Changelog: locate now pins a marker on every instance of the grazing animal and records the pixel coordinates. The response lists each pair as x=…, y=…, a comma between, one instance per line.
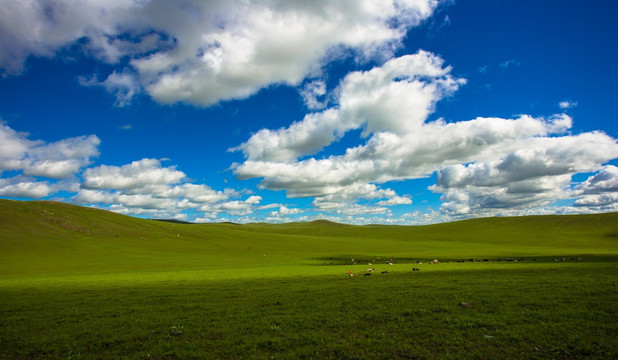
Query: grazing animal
x=349, y=271
x=384, y=272
x=415, y=269
x=372, y=269
x=435, y=262
x=367, y=274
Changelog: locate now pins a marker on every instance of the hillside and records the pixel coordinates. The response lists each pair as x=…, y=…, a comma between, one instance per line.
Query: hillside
x=40, y=238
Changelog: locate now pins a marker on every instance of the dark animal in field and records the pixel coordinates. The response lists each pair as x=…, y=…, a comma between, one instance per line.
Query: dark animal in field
x=367, y=274
x=415, y=269
x=385, y=272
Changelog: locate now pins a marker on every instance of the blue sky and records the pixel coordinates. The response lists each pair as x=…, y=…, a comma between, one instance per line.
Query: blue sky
x=398, y=112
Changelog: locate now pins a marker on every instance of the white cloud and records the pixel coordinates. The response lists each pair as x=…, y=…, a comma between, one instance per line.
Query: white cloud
x=234, y=207
x=598, y=200
x=395, y=97
x=40, y=28
x=513, y=164
x=147, y=187
x=600, y=191
x=284, y=210
x=605, y=180
x=567, y=104
x=397, y=200
x=283, y=214
x=422, y=218
x=535, y=175
x=14, y=147
x=138, y=174
x=24, y=188
x=203, y=52
x=124, y=86
x=313, y=94
x=56, y=160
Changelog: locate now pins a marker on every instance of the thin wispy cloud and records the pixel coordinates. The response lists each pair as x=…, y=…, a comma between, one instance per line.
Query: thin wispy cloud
x=567, y=104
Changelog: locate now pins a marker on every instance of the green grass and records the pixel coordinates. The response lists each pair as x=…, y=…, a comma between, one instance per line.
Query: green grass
x=87, y=284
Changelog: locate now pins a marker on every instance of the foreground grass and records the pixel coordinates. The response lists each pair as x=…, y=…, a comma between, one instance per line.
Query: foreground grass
x=520, y=310
x=80, y=283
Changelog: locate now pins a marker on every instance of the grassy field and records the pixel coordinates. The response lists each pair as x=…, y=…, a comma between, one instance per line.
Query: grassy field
x=83, y=283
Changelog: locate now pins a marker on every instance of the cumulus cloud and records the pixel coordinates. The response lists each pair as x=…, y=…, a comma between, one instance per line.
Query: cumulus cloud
x=55, y=160
x=605, y=180
x=42, y=168
x=138, y=174
x=21, y=187
x=395, y=97
x=284, y=214
x=396, y=200
x=535, y=175
x=234, y=207
x=599, y=191
x=147, y=185
x=203, y=52
x=512, y=164
x=143, y=187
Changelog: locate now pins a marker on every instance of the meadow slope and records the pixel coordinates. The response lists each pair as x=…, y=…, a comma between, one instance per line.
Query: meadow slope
x=41, y=238
x=82, y=283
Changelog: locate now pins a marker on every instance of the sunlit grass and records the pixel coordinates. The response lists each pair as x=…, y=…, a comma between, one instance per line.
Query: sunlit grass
x=90, y=284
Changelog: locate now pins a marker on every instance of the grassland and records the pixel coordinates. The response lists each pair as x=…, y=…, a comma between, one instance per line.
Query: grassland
x=86, y=284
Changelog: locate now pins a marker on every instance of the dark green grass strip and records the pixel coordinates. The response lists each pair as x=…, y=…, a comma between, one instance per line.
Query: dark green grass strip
x=562, y=312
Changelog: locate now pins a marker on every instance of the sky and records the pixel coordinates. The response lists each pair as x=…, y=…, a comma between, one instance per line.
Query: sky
x=355, y=111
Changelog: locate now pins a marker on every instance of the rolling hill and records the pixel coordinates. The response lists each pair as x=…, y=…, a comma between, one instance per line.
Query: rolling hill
x=83, y=283
x=42, y=238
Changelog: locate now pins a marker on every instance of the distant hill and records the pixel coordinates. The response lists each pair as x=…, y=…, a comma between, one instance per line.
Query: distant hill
x=173, y=221
x=43, y=237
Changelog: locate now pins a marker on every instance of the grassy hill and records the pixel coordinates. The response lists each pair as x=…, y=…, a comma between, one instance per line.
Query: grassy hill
x=82, y=283
x=40, y=238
